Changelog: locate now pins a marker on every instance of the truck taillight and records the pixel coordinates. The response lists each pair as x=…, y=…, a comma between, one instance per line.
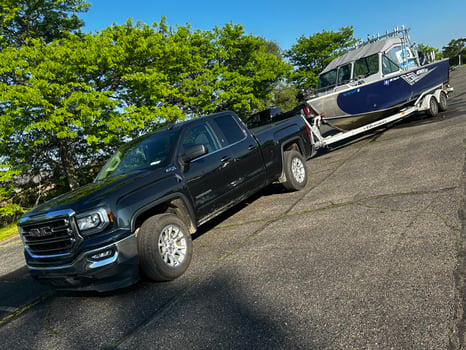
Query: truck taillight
x=307, y=110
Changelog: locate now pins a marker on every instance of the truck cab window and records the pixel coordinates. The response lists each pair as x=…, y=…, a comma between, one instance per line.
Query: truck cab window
x=232, y=132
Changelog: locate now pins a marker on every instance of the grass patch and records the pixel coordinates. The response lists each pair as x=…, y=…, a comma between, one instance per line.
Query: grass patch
x=8, y=231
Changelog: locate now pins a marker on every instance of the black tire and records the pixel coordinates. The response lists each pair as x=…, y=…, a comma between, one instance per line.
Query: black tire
x=442, y=102
x=295, y=171
x=165, y=247
x=432, y=111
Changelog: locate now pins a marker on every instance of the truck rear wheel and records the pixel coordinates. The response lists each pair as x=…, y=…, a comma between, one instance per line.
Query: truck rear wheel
x=165, y=247
x=295, y=171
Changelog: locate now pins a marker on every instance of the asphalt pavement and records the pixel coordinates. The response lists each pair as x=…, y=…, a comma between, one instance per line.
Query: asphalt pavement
x=370, y=255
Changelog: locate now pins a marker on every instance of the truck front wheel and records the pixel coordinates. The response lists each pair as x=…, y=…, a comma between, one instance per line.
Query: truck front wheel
x=295, y=171
x=165, y=247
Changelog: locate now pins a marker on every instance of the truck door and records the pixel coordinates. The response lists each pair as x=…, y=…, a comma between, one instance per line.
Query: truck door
x=246, y=152
x=212, y=177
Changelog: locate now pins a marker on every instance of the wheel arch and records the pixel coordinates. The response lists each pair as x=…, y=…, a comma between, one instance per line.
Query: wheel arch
x=426, y=101
x=176, y=204
x=294, y=144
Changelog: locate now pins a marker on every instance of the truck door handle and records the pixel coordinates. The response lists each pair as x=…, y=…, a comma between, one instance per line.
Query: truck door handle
x=251, y=147
x=225, y=159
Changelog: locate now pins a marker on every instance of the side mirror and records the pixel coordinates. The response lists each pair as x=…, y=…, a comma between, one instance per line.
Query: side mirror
x=193, y=152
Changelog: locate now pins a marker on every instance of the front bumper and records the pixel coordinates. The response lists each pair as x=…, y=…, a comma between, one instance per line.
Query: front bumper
x=101, y=269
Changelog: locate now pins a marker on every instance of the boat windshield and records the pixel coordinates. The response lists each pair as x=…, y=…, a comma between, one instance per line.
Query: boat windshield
x=327, y=80
x=401, y=55
x=151, y=151
x=388, y=66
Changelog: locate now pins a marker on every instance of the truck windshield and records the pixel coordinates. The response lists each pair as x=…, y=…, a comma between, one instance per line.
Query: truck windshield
x=150, y=151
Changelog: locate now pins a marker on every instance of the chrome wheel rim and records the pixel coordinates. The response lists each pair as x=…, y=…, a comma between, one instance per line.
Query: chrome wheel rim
x=297, y=169
x=172, y=245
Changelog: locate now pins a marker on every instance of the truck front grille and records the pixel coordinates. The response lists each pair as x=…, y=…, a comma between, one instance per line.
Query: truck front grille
x=51, y=238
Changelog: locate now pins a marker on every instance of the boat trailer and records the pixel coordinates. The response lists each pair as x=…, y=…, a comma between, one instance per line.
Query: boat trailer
x=431, y=102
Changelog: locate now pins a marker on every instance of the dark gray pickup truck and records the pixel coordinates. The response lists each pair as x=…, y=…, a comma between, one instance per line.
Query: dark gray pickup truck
x=149, y=198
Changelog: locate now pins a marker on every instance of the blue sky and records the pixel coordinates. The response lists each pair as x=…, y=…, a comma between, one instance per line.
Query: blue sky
x=432, y=22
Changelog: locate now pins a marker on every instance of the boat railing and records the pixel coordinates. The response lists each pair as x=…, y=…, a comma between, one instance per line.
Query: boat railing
x=402, y=33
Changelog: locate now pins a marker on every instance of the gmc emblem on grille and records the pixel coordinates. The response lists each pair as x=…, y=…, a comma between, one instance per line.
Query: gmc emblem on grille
x=41, y=232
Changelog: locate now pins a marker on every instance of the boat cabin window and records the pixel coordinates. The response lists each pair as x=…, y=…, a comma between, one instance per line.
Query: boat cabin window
x=327, y=80
x=366, y=66
x=344, y=74
x=388, y=66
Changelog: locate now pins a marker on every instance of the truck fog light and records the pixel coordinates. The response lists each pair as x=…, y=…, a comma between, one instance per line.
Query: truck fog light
x=102, y=254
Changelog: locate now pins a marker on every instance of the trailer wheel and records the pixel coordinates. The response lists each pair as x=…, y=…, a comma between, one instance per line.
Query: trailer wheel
x=432, y=111
x=295, y=171
x=443, y=102
x=165, y=247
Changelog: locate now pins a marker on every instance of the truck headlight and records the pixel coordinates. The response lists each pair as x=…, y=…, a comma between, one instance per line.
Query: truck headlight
x=93, y=221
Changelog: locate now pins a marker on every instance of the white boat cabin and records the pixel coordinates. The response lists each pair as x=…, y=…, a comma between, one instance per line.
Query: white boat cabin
x=371, y=61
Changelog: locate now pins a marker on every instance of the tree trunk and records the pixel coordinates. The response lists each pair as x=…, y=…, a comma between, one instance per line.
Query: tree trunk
x=67, y=163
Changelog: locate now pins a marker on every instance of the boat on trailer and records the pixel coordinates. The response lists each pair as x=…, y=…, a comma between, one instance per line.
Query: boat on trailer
x=375, y=79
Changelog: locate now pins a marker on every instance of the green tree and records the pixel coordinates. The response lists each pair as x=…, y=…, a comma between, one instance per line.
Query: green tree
x=250, y=70
x=49, y=108
x=284, y=96
x=456, y=48
x=310, y=55
x=21, y=20
x=8, y=209
x=189, y=73
x=429, y=50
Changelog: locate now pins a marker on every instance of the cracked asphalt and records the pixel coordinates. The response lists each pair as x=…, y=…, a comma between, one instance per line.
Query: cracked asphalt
x=371, y=255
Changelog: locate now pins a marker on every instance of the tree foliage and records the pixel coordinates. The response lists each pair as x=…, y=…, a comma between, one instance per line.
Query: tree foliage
x=429, y=50
x=455, y=49
x=310, y=55
x=22, y=20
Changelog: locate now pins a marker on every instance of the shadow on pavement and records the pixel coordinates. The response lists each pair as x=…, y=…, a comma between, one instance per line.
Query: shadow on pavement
x=17, y=291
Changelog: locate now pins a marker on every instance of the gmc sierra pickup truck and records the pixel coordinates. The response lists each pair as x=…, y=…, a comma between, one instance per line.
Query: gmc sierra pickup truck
x=155, y=192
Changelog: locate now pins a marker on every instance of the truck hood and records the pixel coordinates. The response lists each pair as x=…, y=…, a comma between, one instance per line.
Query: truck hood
x=100, y=193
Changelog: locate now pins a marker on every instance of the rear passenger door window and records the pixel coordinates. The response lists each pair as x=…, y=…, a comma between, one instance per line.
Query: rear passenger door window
x=229, y=129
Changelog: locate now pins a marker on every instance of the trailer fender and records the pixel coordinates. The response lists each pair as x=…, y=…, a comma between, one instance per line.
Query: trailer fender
x=430, y=105
x=425, y=103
